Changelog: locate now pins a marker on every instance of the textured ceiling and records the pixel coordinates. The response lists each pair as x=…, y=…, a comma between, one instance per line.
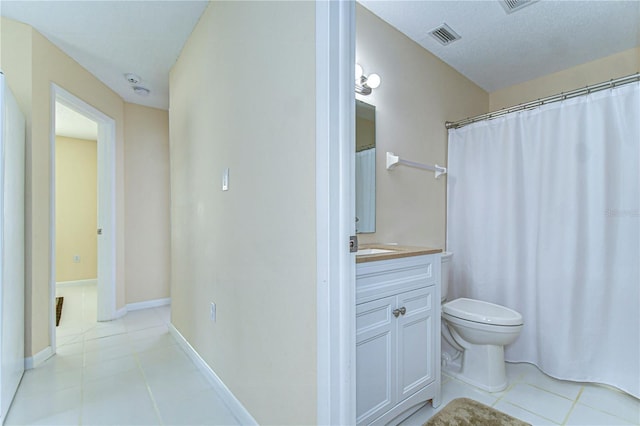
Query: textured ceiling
x=111, y=38
x=498, y=49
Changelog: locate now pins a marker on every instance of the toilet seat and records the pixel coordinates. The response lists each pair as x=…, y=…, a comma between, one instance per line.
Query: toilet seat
x=482, y=312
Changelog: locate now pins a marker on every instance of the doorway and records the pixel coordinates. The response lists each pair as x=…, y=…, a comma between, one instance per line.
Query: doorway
x=105, y=291
x=76, y=252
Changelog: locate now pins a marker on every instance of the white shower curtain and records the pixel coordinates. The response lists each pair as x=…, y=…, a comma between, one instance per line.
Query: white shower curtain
x=543, y=216
x=366, y=190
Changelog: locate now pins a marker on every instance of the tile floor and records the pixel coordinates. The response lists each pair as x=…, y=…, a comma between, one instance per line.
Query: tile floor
x=541, y=400
x=123, y=372
x=132, y=372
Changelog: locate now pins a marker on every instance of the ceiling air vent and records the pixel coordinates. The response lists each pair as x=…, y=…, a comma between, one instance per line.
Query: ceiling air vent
x=511, y=6
x=444, y=34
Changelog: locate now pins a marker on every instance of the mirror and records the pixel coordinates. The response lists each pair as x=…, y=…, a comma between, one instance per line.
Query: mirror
x=365, y=168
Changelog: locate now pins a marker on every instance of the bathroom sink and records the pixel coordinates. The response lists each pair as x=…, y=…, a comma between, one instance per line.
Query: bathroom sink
x=363, y=252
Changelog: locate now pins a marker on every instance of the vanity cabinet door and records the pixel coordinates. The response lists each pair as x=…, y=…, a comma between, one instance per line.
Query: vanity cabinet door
x=375, y=358
x=416, y=349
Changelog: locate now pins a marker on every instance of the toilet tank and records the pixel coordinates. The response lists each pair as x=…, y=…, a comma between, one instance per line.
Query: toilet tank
x=444, y=277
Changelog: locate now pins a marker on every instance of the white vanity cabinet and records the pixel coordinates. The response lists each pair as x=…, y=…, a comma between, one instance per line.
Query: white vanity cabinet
x=397, y=337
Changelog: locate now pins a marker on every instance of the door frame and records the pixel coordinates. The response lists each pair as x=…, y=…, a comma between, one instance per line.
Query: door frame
x=335, y=210
x=106, y=162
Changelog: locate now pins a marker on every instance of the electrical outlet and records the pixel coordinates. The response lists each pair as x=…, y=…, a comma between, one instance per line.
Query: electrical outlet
x=76, y=258
x=212, y=312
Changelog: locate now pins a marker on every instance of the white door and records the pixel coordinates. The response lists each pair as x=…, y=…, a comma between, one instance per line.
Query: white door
x=12, y=145
x=106, y=222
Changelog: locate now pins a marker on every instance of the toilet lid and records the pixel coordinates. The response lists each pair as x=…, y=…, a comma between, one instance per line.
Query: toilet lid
x=482, y=312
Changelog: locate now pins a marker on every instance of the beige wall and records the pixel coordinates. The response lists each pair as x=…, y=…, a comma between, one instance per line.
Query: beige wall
x=604, y=69
x=148, y=260
x=418, y=94
x=15, y=61
x=31, y=63
x=251, y=249
x=76, y=209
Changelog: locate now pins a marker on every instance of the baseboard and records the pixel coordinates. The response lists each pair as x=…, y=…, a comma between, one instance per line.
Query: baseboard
x=141, y=305
x=77, y=283
x=237, y=409
x=37, y=359
x=120, y=312
x=148, y=304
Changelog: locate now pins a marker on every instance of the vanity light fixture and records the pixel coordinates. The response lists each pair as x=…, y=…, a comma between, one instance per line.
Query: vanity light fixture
x=364, y=84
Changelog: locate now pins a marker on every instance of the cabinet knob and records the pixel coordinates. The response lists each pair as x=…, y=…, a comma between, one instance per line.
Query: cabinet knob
x=397, y=312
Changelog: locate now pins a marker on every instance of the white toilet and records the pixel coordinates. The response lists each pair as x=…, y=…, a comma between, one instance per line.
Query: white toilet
x=480, y=330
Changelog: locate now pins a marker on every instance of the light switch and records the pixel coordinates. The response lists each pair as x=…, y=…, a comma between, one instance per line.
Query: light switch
x=225, y=179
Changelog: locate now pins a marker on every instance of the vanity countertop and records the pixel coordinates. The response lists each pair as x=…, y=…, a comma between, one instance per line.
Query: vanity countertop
x=396, y=251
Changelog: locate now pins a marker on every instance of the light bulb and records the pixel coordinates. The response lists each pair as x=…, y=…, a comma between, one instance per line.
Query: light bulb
x=359, y=72
x=373, y=81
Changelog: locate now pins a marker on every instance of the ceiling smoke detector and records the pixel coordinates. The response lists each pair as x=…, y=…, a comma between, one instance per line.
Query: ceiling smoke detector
x=132, y=78
x=444, y=34
x=511, y=6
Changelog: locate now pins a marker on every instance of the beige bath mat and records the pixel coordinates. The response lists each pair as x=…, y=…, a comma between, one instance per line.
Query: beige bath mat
x=467, y=412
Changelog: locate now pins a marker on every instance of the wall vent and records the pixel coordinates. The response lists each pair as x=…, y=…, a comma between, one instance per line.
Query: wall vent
x=511, y=6
x=444, y=34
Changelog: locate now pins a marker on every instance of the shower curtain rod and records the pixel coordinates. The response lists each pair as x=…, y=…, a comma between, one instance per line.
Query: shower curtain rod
x=550, y=99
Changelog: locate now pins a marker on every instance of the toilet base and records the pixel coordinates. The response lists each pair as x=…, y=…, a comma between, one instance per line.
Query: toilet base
x=482, y=366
